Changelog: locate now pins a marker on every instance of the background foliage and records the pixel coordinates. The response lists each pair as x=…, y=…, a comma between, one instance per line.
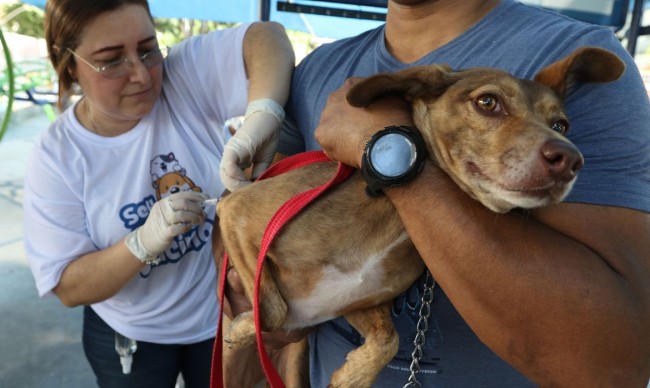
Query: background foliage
x=26, y=19
x=22, y=19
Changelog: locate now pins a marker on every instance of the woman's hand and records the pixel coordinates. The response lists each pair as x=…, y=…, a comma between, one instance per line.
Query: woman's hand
x=344, y=130
x=253, y=144
x=168, y=218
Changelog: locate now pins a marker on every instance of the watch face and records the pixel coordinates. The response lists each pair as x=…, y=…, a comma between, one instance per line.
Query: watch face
x=392, y=155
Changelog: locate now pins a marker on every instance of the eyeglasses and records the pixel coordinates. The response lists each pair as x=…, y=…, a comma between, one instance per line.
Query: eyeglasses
x=121, y=67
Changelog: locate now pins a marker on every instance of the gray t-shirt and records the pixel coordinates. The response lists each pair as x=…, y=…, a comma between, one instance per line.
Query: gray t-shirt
x=609, y=124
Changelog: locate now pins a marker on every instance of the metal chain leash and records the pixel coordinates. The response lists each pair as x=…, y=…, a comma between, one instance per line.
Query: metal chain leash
x=422, y=327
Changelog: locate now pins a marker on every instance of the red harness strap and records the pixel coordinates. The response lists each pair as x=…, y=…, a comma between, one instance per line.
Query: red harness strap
x=286, y=212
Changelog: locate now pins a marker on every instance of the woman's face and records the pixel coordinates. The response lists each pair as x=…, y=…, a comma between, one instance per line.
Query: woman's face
x=126, y=32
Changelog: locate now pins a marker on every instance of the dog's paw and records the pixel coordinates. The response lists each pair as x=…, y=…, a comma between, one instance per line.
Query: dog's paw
x=234, y=341
x=239, y=343
x=346, y=384
x=348, y=378
x=241, y=331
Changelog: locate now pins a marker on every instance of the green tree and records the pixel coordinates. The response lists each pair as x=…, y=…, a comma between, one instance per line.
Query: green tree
x=26, y=19
x=22, y=19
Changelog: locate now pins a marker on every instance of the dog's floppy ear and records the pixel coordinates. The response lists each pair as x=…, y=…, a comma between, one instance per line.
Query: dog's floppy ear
x=414, y=82
x=588, y=64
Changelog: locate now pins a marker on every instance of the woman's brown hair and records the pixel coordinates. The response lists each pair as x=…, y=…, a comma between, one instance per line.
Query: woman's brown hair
x=65, y=20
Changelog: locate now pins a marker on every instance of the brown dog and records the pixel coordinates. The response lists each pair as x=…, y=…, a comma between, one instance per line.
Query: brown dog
x=500, y=138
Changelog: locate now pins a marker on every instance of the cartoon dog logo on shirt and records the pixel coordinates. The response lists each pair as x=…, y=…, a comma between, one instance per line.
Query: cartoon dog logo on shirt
x=169, y=177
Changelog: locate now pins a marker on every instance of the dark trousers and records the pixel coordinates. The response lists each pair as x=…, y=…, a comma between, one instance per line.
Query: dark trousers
x=154, y=365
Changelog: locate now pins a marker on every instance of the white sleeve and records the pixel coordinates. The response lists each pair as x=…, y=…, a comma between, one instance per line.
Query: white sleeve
x=208, y=72
x=54, y=220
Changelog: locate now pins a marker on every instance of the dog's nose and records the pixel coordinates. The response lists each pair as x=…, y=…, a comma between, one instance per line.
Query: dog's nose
x=562, y=159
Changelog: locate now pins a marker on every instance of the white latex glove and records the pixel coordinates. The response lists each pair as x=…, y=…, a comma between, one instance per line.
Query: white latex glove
x=254, y=143
x=168, y=218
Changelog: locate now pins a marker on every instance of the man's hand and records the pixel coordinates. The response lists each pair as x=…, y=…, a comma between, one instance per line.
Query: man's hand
x=344, y=130
x=236, y=302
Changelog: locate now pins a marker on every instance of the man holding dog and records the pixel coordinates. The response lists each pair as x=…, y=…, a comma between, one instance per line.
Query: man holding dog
x=559, y=296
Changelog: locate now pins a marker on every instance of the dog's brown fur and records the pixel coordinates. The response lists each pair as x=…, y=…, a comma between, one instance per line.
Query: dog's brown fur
x=349, y=255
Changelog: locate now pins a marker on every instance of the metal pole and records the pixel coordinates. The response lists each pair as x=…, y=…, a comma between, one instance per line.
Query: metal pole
x=265, y=10
x=10, y=77
x=635, y=26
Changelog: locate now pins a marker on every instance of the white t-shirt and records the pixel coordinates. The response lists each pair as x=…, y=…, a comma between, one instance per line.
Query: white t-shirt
x=84, y=192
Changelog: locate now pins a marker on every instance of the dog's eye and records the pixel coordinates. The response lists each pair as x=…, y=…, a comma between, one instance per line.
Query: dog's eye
x=561, y=126
x=488, y=102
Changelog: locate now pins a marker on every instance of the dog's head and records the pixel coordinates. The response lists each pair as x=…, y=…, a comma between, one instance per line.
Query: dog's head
x=501, y=138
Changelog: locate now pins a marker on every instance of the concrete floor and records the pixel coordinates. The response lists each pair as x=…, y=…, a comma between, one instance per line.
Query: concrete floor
x=40, y=339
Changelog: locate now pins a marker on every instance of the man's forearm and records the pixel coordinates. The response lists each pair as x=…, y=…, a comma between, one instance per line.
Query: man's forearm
x=549, y=304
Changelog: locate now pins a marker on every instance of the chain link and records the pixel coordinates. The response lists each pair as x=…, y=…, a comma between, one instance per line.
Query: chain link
x=422, y=327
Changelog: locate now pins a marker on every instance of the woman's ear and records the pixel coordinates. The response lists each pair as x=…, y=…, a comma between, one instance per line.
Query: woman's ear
x=72, y=71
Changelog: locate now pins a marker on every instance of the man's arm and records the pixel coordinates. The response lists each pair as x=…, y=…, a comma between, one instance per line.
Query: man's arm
x=561, y=293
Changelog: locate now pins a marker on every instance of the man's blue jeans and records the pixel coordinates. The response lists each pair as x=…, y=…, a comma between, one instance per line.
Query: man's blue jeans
x=154, y=365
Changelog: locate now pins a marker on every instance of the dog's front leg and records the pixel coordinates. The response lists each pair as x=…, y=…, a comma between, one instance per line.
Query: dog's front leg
x=363, y=364
x=273, y=310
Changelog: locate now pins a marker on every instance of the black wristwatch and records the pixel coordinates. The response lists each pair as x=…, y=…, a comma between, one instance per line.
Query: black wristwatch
x=392, y=157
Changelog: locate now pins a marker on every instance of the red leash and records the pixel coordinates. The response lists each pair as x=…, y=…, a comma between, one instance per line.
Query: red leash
x=286, y=212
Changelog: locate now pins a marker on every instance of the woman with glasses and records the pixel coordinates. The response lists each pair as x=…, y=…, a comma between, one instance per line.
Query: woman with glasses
x=114, y=213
